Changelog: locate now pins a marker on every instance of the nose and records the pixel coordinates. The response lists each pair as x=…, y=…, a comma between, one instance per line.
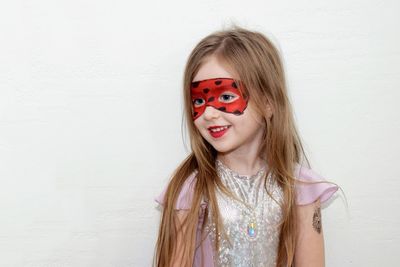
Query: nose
x=211, y=113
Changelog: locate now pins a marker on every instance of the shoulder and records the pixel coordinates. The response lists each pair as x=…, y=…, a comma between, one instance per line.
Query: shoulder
x=185, y=196
x=306, y=192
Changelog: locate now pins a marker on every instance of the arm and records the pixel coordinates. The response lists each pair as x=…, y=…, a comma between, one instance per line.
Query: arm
x=309, y=250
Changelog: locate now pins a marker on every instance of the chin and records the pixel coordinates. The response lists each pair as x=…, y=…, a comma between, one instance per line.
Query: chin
x=223, y=148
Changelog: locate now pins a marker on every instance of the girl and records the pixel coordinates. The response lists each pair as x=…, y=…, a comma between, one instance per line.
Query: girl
x=242, y=196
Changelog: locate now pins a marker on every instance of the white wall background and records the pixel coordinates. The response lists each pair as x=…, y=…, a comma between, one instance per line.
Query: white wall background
x=90, y=120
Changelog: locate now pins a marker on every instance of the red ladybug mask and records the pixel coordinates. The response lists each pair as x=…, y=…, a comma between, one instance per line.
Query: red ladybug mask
x=211, y=92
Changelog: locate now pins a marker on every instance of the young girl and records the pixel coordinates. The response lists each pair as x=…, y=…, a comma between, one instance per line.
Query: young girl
x=242, y=197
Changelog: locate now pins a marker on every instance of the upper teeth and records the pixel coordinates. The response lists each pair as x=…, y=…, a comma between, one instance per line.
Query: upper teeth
x=219, y=129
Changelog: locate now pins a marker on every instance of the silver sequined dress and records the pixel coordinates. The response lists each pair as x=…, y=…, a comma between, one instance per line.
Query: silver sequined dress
x=251, y=224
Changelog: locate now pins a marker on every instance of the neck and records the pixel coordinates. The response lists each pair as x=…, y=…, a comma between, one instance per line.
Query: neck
x=244, y=164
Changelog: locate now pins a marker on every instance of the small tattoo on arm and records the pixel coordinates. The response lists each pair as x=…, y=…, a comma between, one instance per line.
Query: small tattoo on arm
x=317, y=224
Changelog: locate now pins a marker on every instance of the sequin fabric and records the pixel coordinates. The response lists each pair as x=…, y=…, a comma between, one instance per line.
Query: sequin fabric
x=250, y=223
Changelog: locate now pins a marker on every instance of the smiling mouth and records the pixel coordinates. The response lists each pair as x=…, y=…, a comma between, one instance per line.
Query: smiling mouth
x=217, y=132
x=218, y=129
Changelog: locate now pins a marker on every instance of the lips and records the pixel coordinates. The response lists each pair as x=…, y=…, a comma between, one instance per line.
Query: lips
x=222, y=130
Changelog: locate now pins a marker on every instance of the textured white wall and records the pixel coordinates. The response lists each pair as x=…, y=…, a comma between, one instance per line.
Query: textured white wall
x=90, y=120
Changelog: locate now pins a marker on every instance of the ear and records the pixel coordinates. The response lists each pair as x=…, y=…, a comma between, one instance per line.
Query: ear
x=269, y=111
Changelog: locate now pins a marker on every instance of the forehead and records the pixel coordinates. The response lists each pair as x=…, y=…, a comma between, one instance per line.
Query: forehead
x=213, y=68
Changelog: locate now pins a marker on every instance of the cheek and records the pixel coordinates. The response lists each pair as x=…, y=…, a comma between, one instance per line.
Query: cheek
x=241, y=119
x=245, y=123
x=251, y=115
x=197, y=125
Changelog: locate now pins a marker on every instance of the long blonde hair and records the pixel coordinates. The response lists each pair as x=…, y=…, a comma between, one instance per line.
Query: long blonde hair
x=257, y=62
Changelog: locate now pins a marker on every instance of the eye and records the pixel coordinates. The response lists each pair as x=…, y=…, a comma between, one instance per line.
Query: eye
x=198, y=102
x=228, y=98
